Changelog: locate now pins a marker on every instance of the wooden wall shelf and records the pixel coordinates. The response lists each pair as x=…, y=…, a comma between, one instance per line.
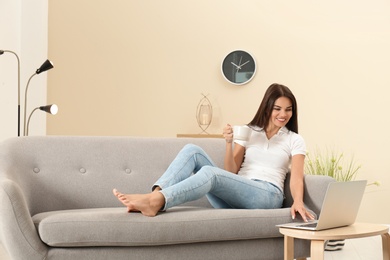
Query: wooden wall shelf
x=199, y=135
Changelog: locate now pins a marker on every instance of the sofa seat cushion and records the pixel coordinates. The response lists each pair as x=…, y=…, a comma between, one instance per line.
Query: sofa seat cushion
x=185, y=224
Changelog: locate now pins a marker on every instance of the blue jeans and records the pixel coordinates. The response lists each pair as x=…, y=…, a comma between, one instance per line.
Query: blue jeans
x=192, y=175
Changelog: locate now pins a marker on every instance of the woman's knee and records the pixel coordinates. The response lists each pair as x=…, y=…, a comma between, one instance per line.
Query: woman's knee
x=196, y=155
x=191, y=147
x=208, y=170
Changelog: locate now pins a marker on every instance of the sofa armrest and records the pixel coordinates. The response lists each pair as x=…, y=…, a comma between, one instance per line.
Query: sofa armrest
x=315, y=189
x=17, y=231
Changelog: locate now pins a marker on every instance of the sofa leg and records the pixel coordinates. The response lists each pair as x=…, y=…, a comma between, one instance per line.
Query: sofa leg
x=304, y=258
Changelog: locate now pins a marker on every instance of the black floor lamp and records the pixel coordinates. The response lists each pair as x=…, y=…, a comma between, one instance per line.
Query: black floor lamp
x=44, y=67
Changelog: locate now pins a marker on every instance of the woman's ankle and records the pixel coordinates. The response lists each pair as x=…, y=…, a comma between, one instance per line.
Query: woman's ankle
x=156, y=188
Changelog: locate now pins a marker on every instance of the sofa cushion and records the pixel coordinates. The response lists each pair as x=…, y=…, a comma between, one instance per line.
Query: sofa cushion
x=116, y=227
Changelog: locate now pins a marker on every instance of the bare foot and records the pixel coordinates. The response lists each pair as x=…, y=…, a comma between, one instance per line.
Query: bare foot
x=148, y=204
x=125, y=199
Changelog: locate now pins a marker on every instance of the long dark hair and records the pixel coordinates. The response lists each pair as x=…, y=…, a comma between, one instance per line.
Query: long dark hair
x=264, y=112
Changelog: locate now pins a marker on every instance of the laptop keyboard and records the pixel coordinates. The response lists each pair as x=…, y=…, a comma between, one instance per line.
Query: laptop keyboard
x=309, y=225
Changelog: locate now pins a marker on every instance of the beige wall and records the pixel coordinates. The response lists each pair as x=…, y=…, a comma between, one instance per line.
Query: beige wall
x=138, y=68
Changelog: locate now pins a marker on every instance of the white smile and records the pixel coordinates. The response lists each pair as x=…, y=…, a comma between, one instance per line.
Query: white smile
x=281, y=119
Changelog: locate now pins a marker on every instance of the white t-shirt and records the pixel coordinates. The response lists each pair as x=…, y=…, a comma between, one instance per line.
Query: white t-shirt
x=269, y=160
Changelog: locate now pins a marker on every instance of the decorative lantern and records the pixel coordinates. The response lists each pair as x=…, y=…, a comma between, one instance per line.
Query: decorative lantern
x=204, y=113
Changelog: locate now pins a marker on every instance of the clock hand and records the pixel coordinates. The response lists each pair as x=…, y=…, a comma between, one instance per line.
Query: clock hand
x=244, y=63
x=235, y=65
x=239, y=65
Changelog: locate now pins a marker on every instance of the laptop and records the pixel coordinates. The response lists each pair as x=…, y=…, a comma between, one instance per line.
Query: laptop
x=340, y=207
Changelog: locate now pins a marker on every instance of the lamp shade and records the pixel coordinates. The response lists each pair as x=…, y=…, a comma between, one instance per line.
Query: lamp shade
x=51, y=109
x=45, y=66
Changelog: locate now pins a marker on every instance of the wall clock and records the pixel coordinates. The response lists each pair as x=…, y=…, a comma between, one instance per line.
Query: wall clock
x=238, y=67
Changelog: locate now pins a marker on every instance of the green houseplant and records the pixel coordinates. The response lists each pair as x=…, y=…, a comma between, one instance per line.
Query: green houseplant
x=332, y=164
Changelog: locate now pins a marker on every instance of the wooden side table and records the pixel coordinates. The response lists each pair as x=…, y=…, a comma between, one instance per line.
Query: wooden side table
x=200, y=135
x=318, y=238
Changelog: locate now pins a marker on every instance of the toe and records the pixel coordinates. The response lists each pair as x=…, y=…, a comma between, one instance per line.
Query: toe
x=116, y=192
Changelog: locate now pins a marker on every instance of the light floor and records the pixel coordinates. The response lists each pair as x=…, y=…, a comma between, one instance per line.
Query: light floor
x=369, y=248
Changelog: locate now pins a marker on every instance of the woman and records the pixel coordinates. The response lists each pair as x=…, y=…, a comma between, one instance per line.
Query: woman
x=254, y=171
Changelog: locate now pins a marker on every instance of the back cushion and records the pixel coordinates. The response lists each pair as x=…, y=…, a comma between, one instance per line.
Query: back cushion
x=58, y=173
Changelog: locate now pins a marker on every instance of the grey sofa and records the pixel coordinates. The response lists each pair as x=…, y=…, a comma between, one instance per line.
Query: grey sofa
x=57, y=203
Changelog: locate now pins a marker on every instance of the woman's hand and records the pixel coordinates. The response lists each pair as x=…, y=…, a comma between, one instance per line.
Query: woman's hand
x=296, y=187
x=300, y=208
x=228, y=133
x=233, y=156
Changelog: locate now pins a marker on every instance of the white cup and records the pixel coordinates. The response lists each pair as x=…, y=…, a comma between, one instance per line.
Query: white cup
x=241, y=133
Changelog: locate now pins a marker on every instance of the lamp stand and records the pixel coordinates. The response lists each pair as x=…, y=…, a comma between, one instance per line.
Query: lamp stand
x=25, y=104
x=17, y=57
